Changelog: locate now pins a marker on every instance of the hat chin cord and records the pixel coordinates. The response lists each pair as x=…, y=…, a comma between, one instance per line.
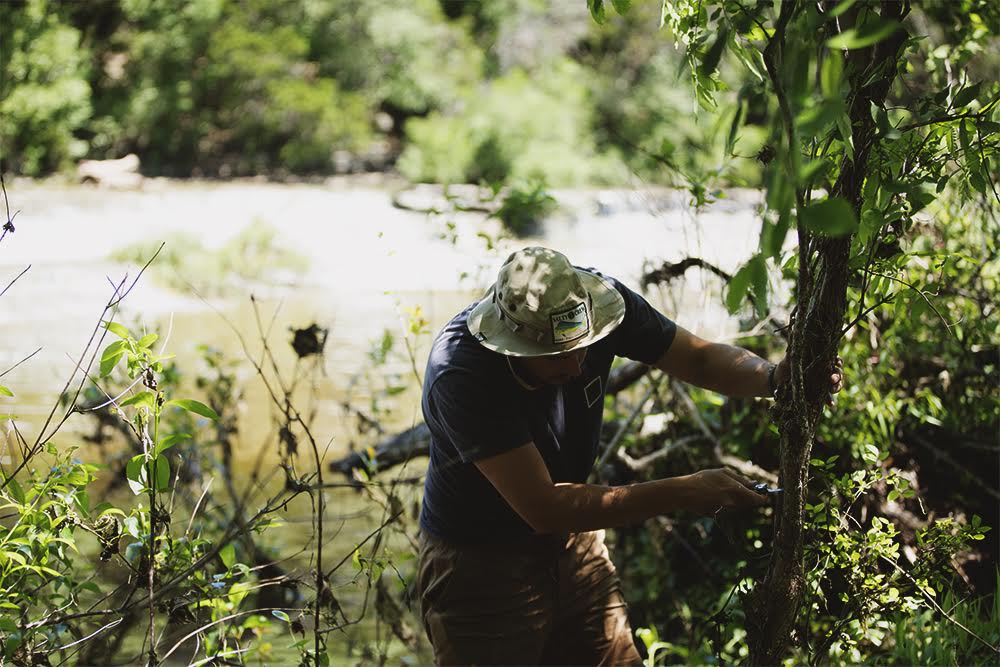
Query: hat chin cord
x=520, y=380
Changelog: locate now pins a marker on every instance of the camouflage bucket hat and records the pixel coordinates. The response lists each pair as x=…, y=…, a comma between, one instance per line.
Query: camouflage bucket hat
x=541, y=305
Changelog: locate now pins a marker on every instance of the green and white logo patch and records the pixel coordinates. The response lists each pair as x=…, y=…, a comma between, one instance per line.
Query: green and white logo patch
x=571, y=324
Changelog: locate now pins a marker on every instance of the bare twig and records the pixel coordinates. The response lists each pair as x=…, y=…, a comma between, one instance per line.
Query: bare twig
x=612, y=446
x=20, y=362
x=15, y=279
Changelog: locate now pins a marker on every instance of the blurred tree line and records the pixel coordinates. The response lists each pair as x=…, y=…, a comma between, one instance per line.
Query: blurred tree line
x=445, y=90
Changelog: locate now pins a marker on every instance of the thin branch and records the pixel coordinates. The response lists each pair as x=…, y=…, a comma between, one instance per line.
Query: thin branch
x=642, y=462
x=15, y=279
x=362, y=542
x=20, y=362
x=141, y=271
x=612, y=446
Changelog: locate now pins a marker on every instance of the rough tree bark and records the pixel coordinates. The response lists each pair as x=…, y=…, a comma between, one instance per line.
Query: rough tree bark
x=816, y=331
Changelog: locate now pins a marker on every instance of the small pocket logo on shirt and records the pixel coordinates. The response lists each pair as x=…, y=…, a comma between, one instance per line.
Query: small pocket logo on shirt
x=592, y=392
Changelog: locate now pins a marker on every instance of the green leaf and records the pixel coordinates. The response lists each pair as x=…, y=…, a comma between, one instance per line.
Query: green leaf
x=147, y=340
x=16, y=491
x=830, y=217
x=813, y=169
x=919, y=199
x=738, y=287
x=621, y=6
x=117, y=329
x=710, y=61
x=134, y=473
x=847, y=135
x=840, y=8
x=277, y=613
x=162, y=469
x=596, y=8
x=758, y=280
x=833, y=68
x=143, y=398
x=813, y=120
x=228, y=556
x=868, y=34
x=168, y=442
x=109, y=359
x=5, y=391
x=967, y=95
x=735, y=127
x=196, y=407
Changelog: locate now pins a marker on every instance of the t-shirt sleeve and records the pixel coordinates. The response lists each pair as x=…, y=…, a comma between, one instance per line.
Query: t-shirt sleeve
x=645, y=333
x=478, y=425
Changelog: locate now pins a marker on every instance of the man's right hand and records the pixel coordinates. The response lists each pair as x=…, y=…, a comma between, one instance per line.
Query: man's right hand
x=720, y=488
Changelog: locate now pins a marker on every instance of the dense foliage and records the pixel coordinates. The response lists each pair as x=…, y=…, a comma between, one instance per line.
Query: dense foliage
x=456, y=91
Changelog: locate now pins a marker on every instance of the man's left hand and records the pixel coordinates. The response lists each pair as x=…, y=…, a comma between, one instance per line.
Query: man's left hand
x=783, y=372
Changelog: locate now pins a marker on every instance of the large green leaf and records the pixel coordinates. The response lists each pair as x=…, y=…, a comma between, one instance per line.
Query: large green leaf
x=168, y=442
x=228, y=555
x=134, y=473
x=109, y=359
x=831, y=74
x=147, y=340
x=117, y=329
x=196, y=407
x=16, y=491
x=596, y=8
x=738, y=287
x=162, y=472
x=621, y=6
x=868, y=34
x=143, y=398
x=965, y=96
x=815, y=119
x=830, y=217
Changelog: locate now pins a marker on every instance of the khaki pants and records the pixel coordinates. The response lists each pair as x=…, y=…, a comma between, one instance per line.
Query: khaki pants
x=546, y=601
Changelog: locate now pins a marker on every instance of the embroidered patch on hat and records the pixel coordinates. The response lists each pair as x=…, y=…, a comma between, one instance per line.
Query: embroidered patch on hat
x=570, y=325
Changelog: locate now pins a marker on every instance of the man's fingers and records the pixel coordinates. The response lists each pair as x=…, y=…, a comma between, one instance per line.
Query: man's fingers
x=739, y=478
x=752, y=498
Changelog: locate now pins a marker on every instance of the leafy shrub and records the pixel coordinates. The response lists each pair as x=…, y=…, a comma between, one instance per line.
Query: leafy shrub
x=44, y=95
x=518, y=127
x=524, y=207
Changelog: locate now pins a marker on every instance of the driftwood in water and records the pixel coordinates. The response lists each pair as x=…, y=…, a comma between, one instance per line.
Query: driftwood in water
x=415, y=441
x=121, y=174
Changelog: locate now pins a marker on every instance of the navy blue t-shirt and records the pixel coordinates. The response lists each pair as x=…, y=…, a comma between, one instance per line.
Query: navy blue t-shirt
x=475, y=408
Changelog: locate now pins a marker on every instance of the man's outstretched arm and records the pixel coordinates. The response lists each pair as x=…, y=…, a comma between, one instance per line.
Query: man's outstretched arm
x=520, y=476
x=728, y=369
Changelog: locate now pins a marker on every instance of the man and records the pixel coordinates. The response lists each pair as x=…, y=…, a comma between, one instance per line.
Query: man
x=513, y=567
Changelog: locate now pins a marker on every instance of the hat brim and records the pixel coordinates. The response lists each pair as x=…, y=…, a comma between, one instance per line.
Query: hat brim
x=608, y=308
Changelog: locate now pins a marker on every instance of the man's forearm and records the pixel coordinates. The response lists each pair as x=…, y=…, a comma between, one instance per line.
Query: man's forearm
x=734, y=371
x=581, y=507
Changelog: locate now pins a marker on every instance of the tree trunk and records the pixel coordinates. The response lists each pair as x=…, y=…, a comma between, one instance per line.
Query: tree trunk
x=822, y=301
